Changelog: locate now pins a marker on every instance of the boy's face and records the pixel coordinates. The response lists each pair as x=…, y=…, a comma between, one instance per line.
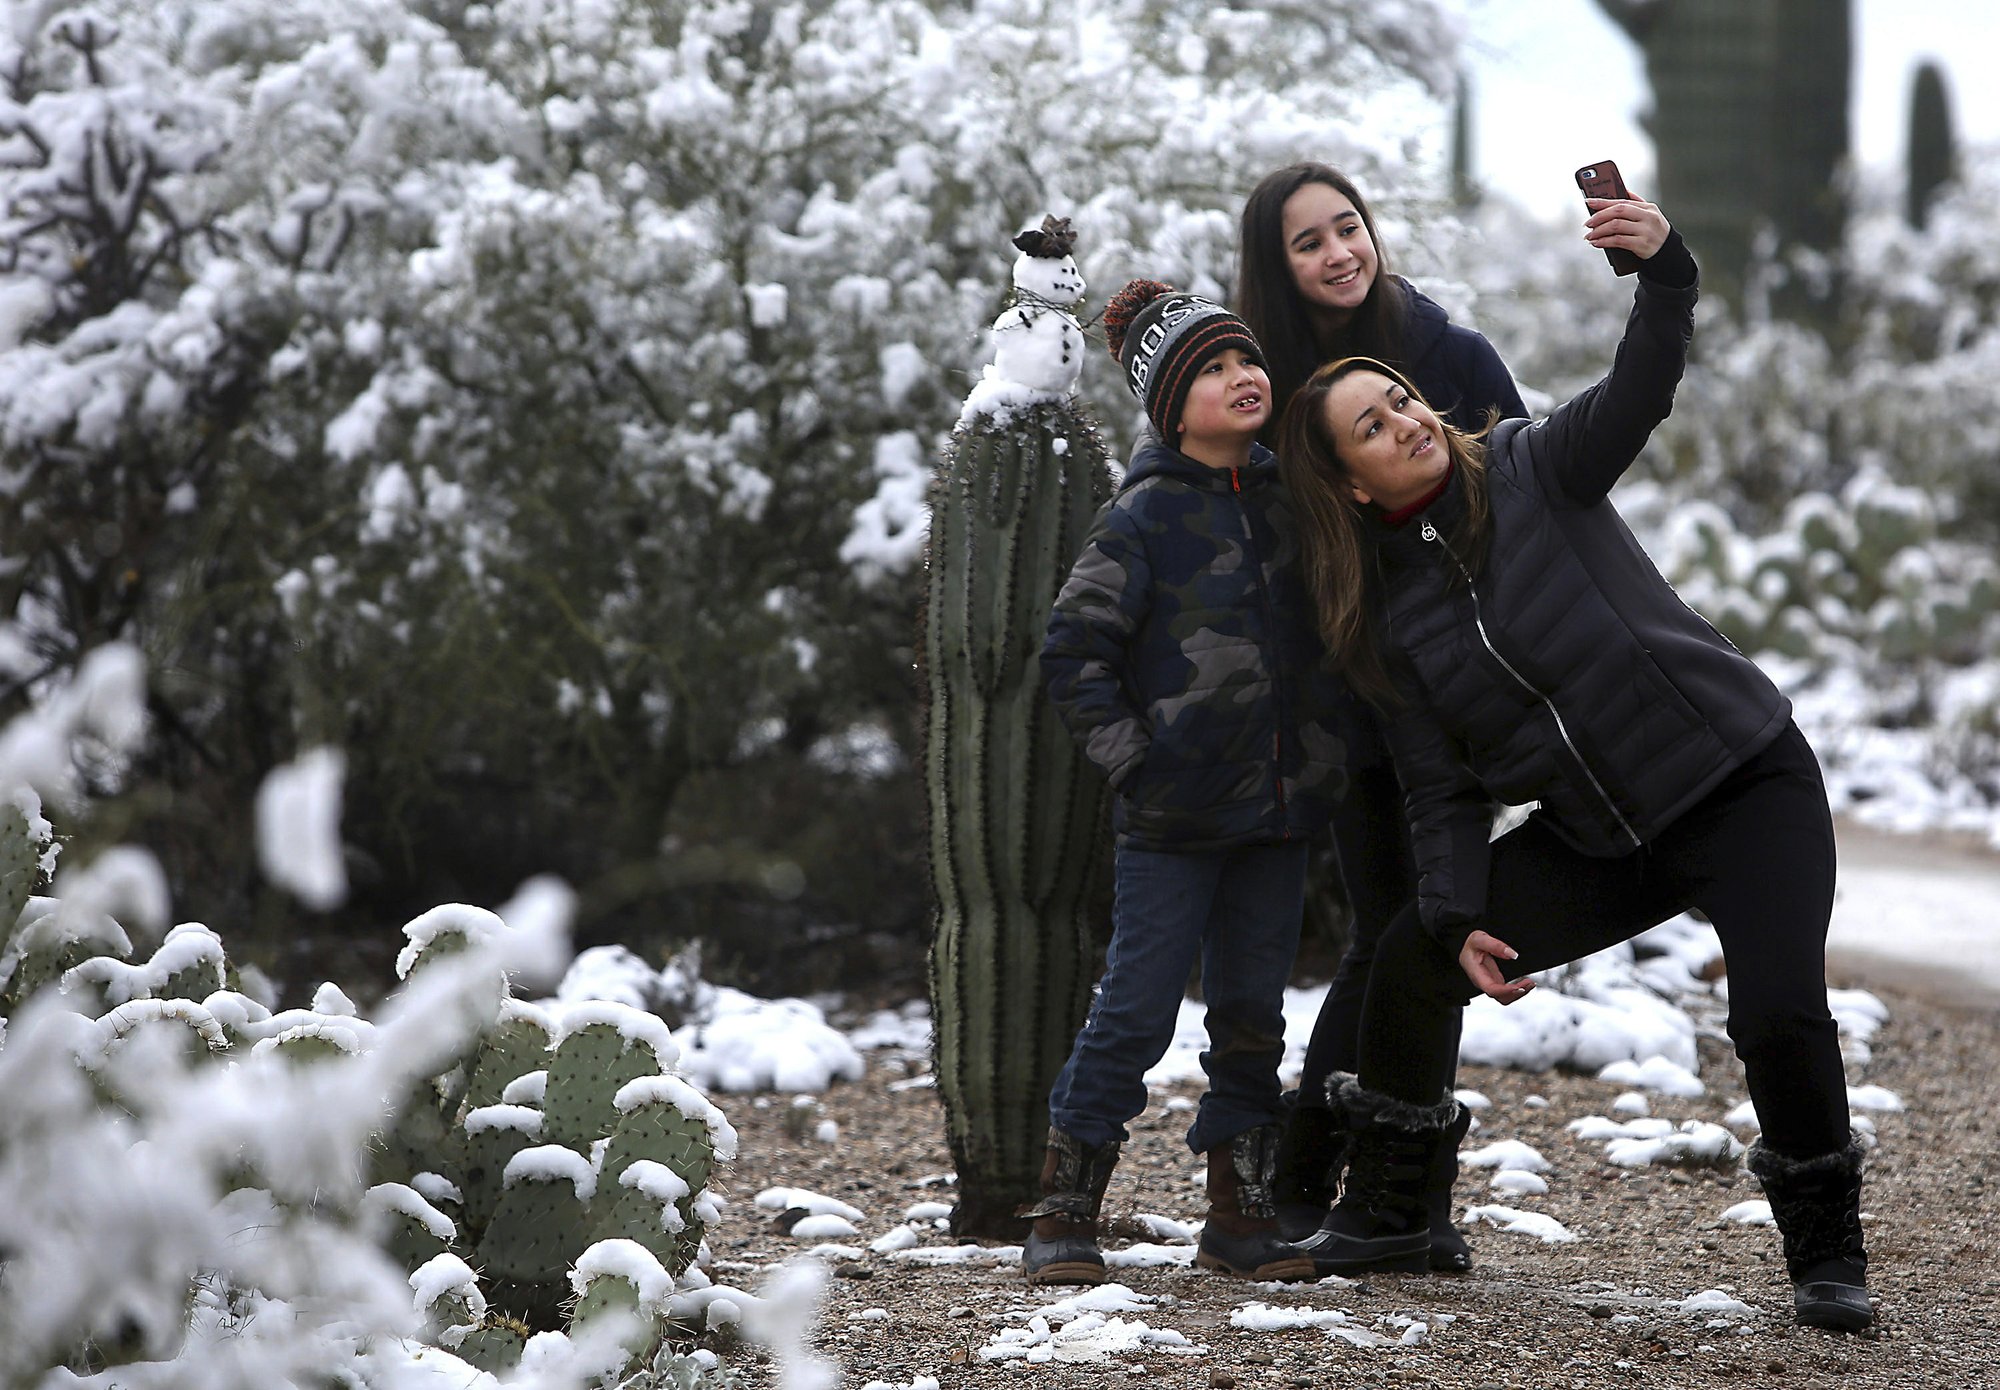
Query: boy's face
x=1229, y=401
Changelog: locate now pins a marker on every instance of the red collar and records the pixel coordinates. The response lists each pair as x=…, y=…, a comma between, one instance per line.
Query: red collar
x=1403, y=514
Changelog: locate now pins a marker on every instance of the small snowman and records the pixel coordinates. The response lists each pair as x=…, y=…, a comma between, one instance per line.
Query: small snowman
x=1037, y=341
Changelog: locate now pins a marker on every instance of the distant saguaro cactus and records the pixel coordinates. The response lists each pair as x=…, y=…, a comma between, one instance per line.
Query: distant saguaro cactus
x=1750, y=124
x=1017, y=816
x=1464, y=186
x=1932, y=158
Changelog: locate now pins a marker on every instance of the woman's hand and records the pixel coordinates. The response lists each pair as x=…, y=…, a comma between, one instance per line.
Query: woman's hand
x=1480, y=959
x=1629, y=224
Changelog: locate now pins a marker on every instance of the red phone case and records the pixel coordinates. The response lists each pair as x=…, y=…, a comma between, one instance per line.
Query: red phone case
x=1601, y=180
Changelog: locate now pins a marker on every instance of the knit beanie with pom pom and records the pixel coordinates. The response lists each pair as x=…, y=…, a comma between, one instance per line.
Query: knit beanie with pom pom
x=1161, y=337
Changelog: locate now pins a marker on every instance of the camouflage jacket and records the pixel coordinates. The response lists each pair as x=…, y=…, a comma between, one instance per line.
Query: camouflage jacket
x=1182, y=656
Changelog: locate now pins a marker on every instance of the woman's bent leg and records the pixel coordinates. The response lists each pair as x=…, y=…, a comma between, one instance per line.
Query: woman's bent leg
x=1546, y=900
x=1760, y=860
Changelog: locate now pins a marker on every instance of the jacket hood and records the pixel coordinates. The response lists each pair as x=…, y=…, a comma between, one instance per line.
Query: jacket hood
x=1153, y=458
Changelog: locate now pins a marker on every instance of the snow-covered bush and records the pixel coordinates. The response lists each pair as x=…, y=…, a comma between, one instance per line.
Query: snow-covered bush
x=1832, y=506
x=491, y=391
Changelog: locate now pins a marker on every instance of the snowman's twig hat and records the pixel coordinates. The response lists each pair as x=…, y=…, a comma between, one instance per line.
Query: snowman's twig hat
x=1161, y=336
x=1051, y=241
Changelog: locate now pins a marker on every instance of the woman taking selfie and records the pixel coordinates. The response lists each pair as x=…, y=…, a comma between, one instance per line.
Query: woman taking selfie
x=1490, y=600
x=1314, y=285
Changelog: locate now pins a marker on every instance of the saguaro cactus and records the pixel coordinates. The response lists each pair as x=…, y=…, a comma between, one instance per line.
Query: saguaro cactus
x=1017, y=817
x=1933, y=158
x=1750, y=124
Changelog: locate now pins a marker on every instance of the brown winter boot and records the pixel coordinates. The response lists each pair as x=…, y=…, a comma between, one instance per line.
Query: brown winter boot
x=1062, y=1246
x=1241, y=1236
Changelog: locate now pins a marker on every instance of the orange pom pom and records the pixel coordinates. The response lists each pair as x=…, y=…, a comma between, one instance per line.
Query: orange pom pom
x=1125, y=306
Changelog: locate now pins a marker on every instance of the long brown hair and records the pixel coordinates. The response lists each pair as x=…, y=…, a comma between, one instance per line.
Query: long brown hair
x=1268, y=299
x=1338, y=537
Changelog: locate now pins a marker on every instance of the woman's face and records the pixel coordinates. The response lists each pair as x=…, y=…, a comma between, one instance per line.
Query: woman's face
x=1332, y=258
x=1391, y=445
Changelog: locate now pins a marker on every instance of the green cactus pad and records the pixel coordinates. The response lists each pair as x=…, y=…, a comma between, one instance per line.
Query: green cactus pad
x=489, y=1138
x=413, y=1231
x=495, y=1345
x=20, y=865
x=516, y=1044
x=542, y=1206
x=308, y=1043
x=618, y=1278
x=652, y=1206
x=603, y=1046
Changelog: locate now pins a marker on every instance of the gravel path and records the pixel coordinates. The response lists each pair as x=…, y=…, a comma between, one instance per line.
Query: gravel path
x=1604, y=1310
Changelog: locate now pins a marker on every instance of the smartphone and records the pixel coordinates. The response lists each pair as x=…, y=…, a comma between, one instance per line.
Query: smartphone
x=1601, y=180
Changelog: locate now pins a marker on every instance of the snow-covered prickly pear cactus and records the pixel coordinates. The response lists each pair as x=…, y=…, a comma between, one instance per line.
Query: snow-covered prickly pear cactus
x=604, y=1045
x=20, y=864
x=656, y=1169
x=1017, y=824
x=537, y=1229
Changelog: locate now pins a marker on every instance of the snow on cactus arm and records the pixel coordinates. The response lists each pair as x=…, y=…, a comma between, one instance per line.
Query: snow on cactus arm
x=413, y=1231
x=493, y=1134
x=444, y=931
x=189, y=964
x=620, y=1283
x=516, y=1044
x=526, y=1245
x=447, y=1298
x=602, y=1046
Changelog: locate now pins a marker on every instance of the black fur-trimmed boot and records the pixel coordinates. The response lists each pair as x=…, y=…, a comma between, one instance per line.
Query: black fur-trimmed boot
x=1382, y=1221
x=1449, y=1252
x=1816, y=1203
x=1240, y=1236
x=1311, y=1152
x=1062, y=1245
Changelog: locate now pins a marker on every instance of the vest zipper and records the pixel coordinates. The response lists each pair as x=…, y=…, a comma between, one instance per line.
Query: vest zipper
x=1430, y=533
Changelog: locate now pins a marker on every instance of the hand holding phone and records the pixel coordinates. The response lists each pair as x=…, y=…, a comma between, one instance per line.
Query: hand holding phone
x=1601, y=180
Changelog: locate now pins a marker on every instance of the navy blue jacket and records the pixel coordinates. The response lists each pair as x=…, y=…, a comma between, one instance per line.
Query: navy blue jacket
x=1182, y=656
x=1457, y=370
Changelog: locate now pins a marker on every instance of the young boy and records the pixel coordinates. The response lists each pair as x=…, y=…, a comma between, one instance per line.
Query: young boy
x=1182, y=656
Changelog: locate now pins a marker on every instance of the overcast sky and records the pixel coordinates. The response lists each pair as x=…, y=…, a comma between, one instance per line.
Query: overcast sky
x=1557, y=85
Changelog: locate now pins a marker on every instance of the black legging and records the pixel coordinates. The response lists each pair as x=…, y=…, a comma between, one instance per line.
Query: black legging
x=1371, y=838
x=1756, y=856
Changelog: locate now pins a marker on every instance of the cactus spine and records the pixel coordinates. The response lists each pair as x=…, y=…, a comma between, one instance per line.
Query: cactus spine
x=1017, y=816
x=1932, y=158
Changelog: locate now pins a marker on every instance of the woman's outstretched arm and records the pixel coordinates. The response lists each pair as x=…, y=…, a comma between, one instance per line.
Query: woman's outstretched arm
x=1586, y=445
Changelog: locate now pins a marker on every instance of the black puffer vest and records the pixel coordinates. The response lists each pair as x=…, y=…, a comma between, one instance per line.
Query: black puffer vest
x=1566, y=670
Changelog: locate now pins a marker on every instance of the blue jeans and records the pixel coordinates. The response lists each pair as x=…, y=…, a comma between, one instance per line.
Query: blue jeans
x=1239, y=909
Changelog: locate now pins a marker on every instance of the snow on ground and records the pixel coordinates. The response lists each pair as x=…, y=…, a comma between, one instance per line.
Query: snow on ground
x=1630, y=1015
